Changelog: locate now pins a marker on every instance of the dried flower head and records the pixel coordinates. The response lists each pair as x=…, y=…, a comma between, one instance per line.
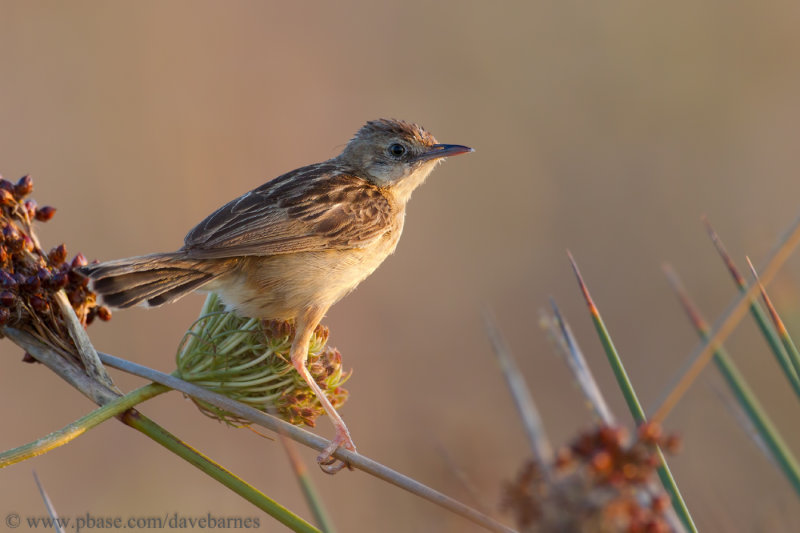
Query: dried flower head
x=30, y=278
x=599, y=484
x=248, y=361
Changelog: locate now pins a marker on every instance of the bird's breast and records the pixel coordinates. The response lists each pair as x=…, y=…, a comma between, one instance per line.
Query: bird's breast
x=282, y=286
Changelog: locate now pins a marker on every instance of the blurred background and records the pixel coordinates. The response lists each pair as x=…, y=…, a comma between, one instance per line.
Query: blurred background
x=606, y=128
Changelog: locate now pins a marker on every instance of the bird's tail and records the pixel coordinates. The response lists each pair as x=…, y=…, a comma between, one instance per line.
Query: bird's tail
x=153, y=280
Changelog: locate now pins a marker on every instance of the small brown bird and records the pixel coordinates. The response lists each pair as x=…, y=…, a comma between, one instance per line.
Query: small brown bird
x=291, y=248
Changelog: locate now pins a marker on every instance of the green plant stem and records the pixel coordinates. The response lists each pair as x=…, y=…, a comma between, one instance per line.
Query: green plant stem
x=787, y=359
x=307, y=486
x=766, y=429
x=102, y=395
x=143, y=424
x=778, y=348
x=741, y=390
x=80, y=426
x=664, y=473
x=728, y=322
x=783, y=333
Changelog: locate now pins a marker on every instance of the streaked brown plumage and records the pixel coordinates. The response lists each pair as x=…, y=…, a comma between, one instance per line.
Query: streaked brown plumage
x=292, y=247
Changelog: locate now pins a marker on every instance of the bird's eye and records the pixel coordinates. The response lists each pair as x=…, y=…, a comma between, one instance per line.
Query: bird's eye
x=397, y=150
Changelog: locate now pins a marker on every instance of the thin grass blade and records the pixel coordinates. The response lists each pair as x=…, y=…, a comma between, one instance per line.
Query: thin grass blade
x=738, y=414
x=664, y=473
x=783, y=333
x=51, y=510
x=728, y=322
x=789, y=367
x=313, y=499
x=532, y=422
x=741, y=390
x=614, y=360
x=567, y=344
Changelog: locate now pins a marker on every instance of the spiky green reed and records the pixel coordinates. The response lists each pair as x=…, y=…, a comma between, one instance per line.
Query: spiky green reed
x=248, y=361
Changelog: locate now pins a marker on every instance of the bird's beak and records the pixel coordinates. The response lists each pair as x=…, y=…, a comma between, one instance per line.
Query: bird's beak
x=443, y=150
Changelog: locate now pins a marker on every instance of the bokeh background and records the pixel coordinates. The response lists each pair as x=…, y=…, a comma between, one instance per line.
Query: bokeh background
x=606, y=128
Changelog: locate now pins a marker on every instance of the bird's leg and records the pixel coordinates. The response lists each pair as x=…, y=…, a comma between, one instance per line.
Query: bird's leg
x=304, y=327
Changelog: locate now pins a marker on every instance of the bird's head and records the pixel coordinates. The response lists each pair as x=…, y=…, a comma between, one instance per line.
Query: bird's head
x=396, y=155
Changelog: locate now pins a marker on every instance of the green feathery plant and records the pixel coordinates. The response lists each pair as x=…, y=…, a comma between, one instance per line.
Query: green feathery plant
x=247, y=360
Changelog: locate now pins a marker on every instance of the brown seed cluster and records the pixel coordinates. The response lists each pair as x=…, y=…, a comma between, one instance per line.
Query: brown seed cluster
x=600, y=483
x=30, y=278
x=299, y=405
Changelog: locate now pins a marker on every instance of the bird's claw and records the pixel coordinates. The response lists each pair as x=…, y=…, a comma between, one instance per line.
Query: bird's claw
x=327, y=462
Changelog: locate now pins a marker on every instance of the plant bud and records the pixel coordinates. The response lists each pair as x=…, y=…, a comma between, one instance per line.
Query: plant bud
x=673, y=443
x=79, y=261
x=43, y=214
x=317, y=371
x=13, y=239
x=104, y=313
x=10, y=233
x=6, y=280
x=601, y=463
x=30, y=208
x=611, y=436
x=322, y=332
x=57, y=255
x=32, y=283
x=23, y=187
x=650, y=433
x=303, y=396
x=59, y=281
x=44, y=275
x=7, y=298
x=6, y=185
x=334, y=356
x=660, y=503
x=39, y=304
x=6, y=198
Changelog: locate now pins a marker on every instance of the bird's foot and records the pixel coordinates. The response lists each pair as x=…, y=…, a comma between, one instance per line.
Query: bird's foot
x=327, y=462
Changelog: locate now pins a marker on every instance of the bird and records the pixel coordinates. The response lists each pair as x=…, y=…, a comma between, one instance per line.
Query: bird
x=291, y=248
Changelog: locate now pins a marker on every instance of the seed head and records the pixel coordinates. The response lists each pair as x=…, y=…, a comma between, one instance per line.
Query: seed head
x=29, y=278
x=599, y=484
x=248, y=360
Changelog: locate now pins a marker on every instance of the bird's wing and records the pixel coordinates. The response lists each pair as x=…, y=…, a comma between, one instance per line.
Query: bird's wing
x=309, y=209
